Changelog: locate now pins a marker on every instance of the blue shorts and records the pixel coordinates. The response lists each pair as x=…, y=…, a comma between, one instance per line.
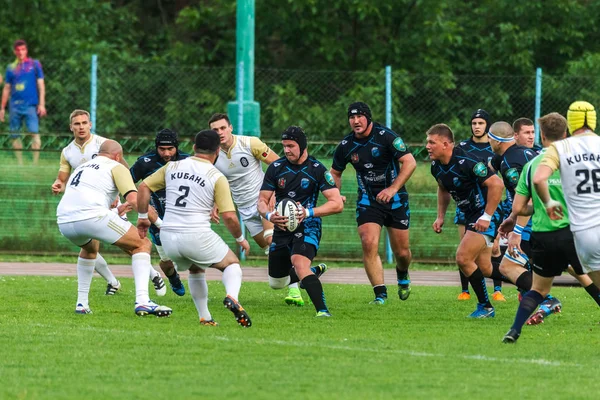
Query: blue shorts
x=492, y=230
x=20, y=112
x=459, y=217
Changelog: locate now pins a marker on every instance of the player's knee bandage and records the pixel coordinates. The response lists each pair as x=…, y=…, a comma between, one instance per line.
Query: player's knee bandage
x=163, y=256
x=279, y=283
x=268, y=233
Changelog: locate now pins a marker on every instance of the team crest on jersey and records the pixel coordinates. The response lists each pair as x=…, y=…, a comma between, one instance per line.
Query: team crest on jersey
x=375, y=151
x=304, y=183
x=281, y=183
x=329, y=178
x=354, y=158
x=292, y=194
x=146, y=159
x=398, y=144
x=480, y=169
x=512, y=175
x=244, y=161
x=265, y=154
x=456, y=181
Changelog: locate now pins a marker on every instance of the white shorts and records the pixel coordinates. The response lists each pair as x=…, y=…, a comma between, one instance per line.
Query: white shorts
x=587, y=244
x=107, y=229
x=200, y=248
x=252, y=219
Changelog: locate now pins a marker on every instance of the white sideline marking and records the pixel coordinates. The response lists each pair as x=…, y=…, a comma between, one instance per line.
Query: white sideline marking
x=476, y=357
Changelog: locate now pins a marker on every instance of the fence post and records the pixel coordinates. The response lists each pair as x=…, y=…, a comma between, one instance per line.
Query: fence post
x=93, y=91
x=538, y=103
x=240, y=130
x=388, y=123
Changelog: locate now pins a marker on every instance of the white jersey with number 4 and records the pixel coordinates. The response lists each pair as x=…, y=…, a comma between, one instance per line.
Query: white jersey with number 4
x=193, y=185
x=578, y=159
x=92, y=188
x=241, y=165
x=74, y=155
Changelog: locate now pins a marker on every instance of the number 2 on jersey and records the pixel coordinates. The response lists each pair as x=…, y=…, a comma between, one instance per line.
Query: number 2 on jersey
x=583, y=187
x=179, y=202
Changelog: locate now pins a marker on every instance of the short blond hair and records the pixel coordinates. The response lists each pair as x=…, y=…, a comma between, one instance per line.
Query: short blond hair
x=77, y=113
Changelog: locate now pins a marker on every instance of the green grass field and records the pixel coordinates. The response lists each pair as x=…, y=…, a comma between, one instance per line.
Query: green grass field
x=424, y=348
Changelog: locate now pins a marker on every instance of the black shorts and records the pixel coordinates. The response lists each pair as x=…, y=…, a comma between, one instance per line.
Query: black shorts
x=398, y=218
x=283, y=247
x=552, y=252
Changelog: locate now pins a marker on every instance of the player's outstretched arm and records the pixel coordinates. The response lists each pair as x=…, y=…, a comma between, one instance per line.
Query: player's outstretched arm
x=264, y=198
x=333, y=205
x=232, y=223
x=59, y=184
x=337, y=178
x=141, y=201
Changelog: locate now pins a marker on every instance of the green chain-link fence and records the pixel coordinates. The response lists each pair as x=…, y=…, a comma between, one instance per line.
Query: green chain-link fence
x=135, y=100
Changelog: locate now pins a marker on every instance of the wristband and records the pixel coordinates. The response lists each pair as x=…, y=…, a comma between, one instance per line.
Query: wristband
x=486, y=217
x=143, y=215
x=309, y=212
x=240, y=239
x=158, y=222
x=518, y=229
x=268, y=216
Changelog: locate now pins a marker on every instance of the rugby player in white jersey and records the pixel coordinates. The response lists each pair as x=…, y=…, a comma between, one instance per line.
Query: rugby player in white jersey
x=84, y=217
x=240, y=160
x=83, y=148
x=193, y=186
x=578, y=160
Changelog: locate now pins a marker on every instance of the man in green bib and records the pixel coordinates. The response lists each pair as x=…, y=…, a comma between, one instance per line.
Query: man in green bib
x=552, y=245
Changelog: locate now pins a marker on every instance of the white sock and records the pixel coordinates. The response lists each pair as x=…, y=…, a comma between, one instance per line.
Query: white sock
x=153, y=272
x=140, y=264
x=102, y=268
x=293, y=286
x=85, y=271
x=232, y=280
x=199, y=293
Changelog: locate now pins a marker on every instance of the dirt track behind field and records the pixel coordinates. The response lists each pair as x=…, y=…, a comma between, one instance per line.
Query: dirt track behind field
x=258, y=274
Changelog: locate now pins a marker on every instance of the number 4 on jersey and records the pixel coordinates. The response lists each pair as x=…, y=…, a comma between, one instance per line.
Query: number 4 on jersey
x=76, y=179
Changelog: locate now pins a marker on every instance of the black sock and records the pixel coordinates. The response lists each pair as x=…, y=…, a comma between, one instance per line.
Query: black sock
x=313, y=287
x=530, y=301
x=477, y=282
x=402, y=277
x=464, y=282
x=173, y=277
x=523, y=282
x=380, y=291
x=497, y=275
x=293, y=276
x=594, y=292
x=496, y=266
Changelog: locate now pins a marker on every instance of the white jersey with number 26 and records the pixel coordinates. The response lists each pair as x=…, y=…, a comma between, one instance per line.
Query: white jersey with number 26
x=578, y=159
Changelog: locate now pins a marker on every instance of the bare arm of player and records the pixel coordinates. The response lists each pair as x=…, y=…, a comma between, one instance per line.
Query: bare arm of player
x=5, y=96
x=520, y=206
x=337, y=178
x=264, y=210
x=231, y=222
x=41, y=108
x=59, y=184
x=408, y=166
x=443, y=200
x=333, y=205
x=540, y=183
x=495, y=187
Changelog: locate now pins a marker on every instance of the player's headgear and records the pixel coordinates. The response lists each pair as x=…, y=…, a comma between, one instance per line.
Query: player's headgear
x=481, y=113
x=360, y=108
x=580, y=114
x=296, y=134
x=207, y=141
x=166, y=137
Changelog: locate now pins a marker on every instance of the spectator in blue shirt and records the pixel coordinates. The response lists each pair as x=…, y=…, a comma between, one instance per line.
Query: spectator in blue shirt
x=25, y=87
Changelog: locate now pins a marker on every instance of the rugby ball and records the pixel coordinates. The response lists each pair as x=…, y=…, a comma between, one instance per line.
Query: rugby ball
x=288, y=208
